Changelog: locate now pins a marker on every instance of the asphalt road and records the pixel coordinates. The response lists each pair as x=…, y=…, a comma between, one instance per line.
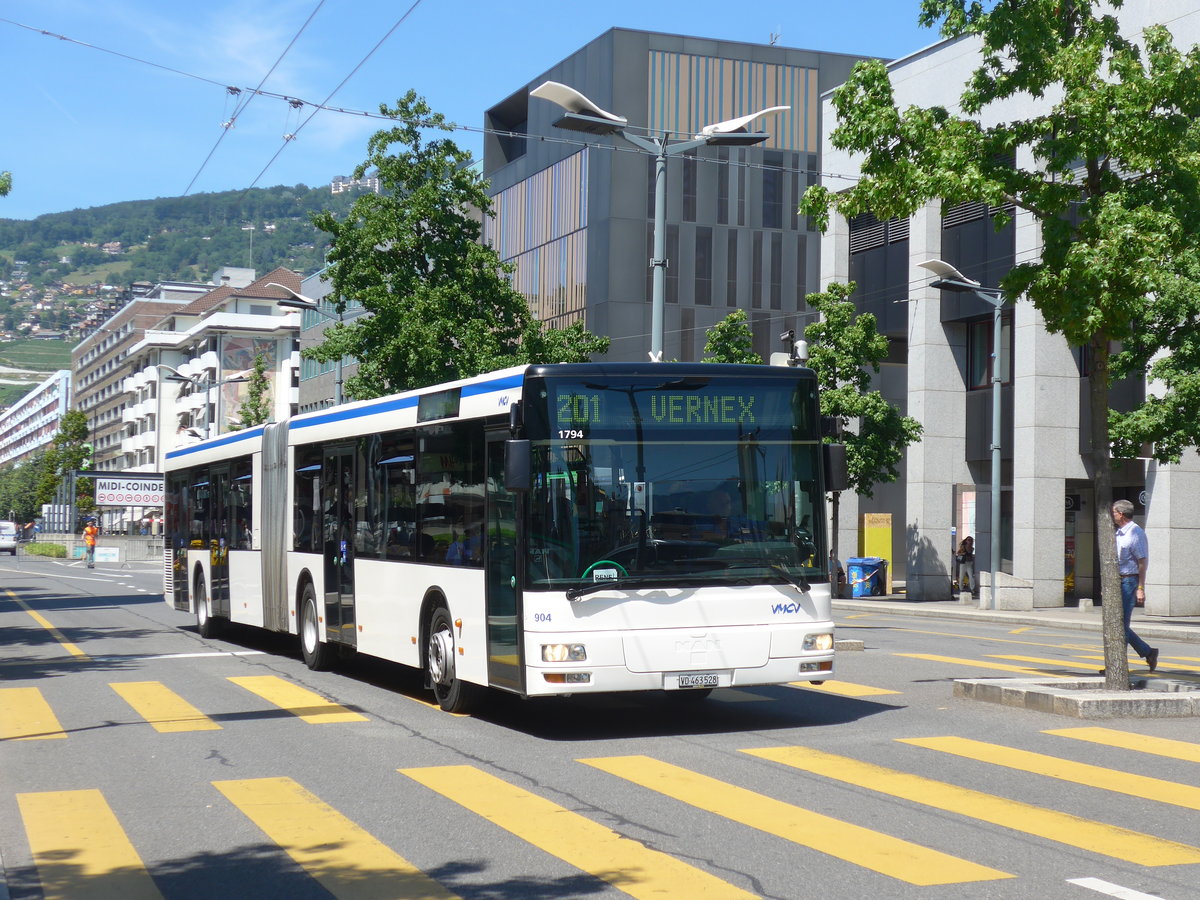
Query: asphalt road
x=275, y=781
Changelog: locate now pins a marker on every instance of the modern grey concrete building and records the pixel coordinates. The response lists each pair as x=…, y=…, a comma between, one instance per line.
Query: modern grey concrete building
x=574, y=213
x=940, y=374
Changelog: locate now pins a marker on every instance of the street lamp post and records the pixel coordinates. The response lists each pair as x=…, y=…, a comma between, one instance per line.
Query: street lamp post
x=299, y=301
x=950, y=279
x=584, y=115
x=201, y=383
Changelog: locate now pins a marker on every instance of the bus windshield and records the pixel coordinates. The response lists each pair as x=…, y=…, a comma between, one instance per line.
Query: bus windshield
x=685, y=482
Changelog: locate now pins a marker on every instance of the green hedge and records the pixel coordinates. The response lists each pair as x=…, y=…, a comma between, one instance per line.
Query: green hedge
x=58, y=551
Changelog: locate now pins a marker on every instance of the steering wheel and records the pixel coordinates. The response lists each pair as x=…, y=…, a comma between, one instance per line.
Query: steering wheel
x=605, y=562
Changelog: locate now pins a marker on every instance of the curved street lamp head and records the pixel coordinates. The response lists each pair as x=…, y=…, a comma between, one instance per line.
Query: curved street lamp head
x=944, y=270
x=574, y=102
x=739, y=125
x=295, y=296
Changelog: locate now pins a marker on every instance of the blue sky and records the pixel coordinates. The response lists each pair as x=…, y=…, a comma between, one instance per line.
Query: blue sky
x=88, y=125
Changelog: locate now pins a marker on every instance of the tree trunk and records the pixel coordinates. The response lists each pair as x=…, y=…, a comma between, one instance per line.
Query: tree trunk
x=1116, y=666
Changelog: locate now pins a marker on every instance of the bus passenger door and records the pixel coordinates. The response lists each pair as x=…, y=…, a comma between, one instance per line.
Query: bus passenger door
x=500, y=568
x=337, y=506
x=218, y=544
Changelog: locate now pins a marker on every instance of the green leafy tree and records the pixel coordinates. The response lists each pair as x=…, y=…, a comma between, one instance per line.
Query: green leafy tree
x=5, y=183
x=1109, y=168
x=440, y=303
x=845, y=350
x=69, y=452
x=731, y=341
x=256, y=408
x=18, y=490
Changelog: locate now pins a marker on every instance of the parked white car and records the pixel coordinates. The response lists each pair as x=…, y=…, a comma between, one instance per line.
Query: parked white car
x=8, y=537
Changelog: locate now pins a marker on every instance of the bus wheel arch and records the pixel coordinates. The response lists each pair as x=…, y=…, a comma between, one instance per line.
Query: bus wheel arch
x=440, y=657
x=207, y=624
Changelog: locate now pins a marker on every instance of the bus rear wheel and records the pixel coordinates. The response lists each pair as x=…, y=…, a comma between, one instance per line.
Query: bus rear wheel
x=317, y=653
x=206, y=624
x=452, y=694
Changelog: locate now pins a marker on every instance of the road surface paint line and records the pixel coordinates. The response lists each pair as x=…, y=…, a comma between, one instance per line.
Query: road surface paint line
x=1136, y=662
x=861, y=616
x=1073, y=831
x=626, y=864
x=162, y=707
x=300, y=702
x=1113, y=890
x=1140, y=786
x=844, y=688
x=1045, y=661
x=346, y=859
x=1128, y=740
x=179, y=655
x=26, y=716
x=1021, y=630
x=864, y=847
x=981, y=664
x=80, y=849
x=54, y=632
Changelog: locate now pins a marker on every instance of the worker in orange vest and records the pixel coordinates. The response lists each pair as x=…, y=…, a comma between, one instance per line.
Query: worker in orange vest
x=90, y=532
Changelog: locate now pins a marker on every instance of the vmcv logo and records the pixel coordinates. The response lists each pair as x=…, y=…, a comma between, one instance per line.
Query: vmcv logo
x=787, y=609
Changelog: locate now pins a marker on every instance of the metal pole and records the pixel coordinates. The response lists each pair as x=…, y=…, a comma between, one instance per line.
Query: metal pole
x=659, y=261
x=337, y=384
x=995, y=542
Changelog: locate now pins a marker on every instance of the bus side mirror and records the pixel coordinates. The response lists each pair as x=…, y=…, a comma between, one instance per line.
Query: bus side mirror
x=516, y=465
x=833, y=461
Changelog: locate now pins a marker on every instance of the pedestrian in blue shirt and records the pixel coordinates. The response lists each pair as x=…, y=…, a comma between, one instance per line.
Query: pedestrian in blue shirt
x=1132, y=555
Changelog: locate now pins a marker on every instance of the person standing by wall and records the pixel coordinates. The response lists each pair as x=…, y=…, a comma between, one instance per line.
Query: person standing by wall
x=90, y=533
x=1133, y=552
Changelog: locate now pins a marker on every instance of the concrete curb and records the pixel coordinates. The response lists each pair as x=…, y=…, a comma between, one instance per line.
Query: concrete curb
x=1081, y=698
x=1057, y=618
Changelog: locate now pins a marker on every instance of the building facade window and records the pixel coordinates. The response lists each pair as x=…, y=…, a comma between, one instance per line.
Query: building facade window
x=980, y=336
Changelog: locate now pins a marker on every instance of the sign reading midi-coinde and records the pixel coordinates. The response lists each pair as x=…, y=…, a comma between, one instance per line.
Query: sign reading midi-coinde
x=129, y=491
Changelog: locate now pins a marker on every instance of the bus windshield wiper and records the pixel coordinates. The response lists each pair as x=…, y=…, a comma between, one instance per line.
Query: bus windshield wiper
x=616, y=584
x=799, y=582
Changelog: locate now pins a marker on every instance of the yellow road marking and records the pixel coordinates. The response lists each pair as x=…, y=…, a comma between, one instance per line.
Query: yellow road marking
x=844, y=688
x=80, y=849
x=26, y=716
x=307, y=705
x=1021, y=630
x=1107, y=840
x=162, y=707
x=345, y=858
x=624, y=863
x=980, y=664
x=1141, y=786
x=1127, y=740
x=1061, y=663
x=861, y=616
x=874, y=850
x=54, y=632
x=1138, y=662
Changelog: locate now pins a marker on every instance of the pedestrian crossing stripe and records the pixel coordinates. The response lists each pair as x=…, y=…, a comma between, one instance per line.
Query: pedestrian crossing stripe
x=80, y=850
x=624, y=863
x=162, y=707
x=1126, y=740
x=1119, y=782
x=981, y=664
x=301, y=702
x=26, y=716
x=845, y=688
x=865, y=847
x=345, y=858
x=1060, y=663
x=1097, y=837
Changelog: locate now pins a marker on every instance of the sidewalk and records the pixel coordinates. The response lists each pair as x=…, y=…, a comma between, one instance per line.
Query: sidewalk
x=1174, y=628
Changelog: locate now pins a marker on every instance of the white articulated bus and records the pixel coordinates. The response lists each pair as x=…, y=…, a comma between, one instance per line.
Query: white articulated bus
x=543, y=530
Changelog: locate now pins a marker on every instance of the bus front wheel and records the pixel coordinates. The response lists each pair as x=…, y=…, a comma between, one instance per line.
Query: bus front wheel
x=317, y=654
x=452, y=694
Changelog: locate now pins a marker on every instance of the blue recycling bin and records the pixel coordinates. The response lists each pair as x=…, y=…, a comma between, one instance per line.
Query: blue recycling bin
x=867, y=575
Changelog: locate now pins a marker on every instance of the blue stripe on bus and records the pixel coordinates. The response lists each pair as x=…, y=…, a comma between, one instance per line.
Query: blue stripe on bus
x=217, y=442
x=408, y=402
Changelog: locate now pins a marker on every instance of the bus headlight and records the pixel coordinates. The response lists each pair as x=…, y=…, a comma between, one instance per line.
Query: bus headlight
x=564, y=653
x=818, y=642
